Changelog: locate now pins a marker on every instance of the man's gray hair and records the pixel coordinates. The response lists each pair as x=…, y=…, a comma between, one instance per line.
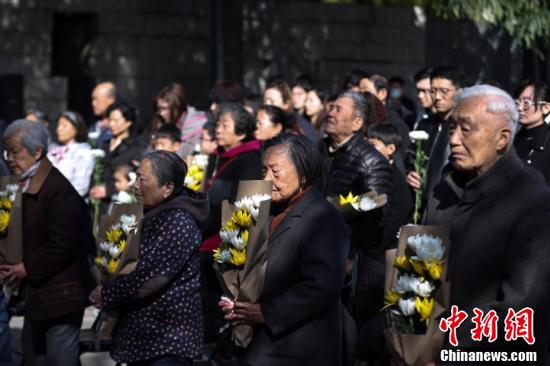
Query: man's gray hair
x=360, y=104
x=499, y=102
x=33, y=135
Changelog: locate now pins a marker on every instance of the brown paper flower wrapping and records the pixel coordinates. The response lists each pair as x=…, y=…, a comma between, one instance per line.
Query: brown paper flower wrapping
x=246, y=284
x=11, y=244
x=128, y=259
x=418, y=349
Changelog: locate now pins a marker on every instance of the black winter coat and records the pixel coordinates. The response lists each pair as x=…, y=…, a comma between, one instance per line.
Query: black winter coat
x=499, y=252
x=304, y=277
x=358, y=167
x=533, y=147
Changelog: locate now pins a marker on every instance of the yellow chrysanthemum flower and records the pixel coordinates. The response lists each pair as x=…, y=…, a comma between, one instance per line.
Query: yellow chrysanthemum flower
x=391, y=298
x=435, y=269
x=242, y=218
x=417, y=266
x=5, y=203
x=114, y=235
x=122, y=245
x=98, y=261
x=4, y=221
x=238, y=257
x=230, y=225
x=113, y=264
x=216, y=254
x=244, y=236
x=424, y=306
x=194, y=187
x=402, y=262
x=349, y=199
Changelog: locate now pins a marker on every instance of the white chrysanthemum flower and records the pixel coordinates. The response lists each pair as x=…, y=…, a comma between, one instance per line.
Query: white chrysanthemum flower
x=97, y=153
x=407, y=306
x=423, y=288
x=128, y=223
x=238, y=243
x=123, y=197
x=201, y=161
x=227, y=236
x=190, y=181
x=255, y=212
x=406, y=283
x=427, y=247
x=114, y=252
x=419, y=135
x=364, y=204
x=245, y=203
x=94, y=135
x=12, y=188
x=225, y=256
x=105, y=246
x=104, y=263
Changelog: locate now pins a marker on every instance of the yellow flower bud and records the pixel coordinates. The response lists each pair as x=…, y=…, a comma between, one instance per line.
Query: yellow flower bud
x=417, y=266
x=402, y=262
x=424, y=306
x=238, y=257
x=349, y=199
x=435, y=269
x=242, y=218
x=391, y=298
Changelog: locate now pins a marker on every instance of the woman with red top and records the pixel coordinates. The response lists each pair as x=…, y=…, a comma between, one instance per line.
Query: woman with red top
x=238, y=158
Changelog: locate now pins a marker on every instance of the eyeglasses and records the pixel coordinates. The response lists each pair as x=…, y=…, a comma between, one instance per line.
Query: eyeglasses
x=442, y=91
x=525, y=104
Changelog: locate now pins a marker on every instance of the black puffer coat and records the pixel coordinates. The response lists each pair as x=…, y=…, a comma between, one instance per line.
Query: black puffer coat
x=355, y=167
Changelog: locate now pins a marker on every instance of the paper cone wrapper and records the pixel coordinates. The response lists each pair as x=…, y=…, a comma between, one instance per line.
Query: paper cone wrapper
x=418, y=349
x=246, y=284
x=11, y=244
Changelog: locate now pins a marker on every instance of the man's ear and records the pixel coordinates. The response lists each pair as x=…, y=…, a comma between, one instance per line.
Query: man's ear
x=357, y=124
x=38, y=154
x=503, y=139
x=391, y=149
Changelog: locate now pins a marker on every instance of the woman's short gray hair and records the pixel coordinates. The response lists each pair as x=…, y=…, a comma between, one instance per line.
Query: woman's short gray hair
x=499, y=102
x=33, y=135
x=168, y=167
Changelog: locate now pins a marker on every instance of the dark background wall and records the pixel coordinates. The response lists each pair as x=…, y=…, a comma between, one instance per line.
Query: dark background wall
x=52, y=52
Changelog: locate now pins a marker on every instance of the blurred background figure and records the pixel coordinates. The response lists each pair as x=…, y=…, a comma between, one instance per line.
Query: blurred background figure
x=532, y=142
x=172, y=108
x=73, y=155
x=301, y=86
x=316, y=108
x=422, y=84
x=271, y=121
x=103, y=95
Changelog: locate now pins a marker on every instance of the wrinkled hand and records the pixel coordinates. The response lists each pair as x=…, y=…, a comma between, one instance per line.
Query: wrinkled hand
x=95, y=297
x=414, y=181
x=245, y=313
x=98, y=192
x=13, y=272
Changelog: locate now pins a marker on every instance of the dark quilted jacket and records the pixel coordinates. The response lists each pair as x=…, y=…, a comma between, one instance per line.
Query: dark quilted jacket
x=356, y=167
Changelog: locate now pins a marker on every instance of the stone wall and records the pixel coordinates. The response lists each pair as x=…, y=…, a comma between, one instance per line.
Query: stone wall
x=141, y=45
x=326, y=41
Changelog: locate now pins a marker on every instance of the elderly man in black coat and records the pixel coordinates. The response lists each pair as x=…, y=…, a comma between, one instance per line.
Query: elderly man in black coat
x=497, y=211
x=57, y=237
x=353, y=165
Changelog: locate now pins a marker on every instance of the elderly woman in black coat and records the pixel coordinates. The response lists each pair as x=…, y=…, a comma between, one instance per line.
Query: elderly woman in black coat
x=298, y=318
x=160, y=320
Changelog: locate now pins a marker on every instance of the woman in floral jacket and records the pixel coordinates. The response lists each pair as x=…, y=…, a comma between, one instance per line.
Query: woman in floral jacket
x=160, y=319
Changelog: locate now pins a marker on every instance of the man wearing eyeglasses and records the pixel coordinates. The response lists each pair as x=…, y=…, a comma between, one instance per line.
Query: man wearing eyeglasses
x=445, y=82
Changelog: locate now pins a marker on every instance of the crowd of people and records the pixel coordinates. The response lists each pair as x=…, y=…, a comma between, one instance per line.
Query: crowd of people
x=486, y=180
